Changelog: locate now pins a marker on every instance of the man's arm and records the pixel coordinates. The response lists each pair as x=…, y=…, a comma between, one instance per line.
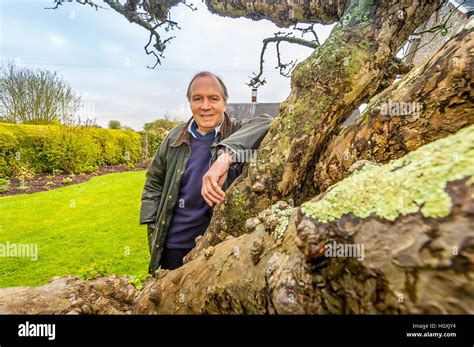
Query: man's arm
x=155, y=177
x=248, y=135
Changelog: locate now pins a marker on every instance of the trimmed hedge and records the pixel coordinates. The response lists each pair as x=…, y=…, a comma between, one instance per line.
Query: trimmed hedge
x=44, y=148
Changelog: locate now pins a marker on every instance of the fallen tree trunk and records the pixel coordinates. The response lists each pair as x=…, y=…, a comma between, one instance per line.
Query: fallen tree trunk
x=395, y=238
x=70, y=295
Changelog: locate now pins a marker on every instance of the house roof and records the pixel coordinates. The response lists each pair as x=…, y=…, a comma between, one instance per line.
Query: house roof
x=252, y=109
x=466, y=6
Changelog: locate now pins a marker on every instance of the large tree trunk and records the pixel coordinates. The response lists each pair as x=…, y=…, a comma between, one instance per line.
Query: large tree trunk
x=409, y=219
x=345, y=71
x=407, y=226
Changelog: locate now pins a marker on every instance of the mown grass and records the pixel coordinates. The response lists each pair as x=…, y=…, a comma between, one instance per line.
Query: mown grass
x=85, y=229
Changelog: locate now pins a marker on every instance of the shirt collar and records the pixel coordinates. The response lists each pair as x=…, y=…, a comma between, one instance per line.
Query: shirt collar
x=193, y=124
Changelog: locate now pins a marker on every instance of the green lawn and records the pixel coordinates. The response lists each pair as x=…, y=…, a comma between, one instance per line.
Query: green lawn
x=84, y=229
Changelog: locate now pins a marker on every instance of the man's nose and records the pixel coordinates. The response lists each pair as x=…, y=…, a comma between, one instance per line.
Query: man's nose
x=205, y=105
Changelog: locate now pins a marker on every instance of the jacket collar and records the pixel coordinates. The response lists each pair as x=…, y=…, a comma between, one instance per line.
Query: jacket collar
x=184, y=134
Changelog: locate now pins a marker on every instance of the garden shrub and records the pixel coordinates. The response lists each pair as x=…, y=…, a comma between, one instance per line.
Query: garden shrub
x=130, y=145
x=31, y=142
x=4, y=185
x=68, y=149
x=8, y=149
x=72, y=149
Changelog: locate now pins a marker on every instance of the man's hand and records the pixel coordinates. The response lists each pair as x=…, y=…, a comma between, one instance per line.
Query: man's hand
x=214, y=178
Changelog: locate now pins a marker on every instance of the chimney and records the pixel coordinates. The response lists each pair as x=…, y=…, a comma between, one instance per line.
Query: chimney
x=254, y=94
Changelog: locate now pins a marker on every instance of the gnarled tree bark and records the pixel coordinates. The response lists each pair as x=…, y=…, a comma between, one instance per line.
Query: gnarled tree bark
x=282, y=14
x=341, y=74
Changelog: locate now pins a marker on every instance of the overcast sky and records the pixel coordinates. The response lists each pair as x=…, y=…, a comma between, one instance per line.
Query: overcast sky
x=100, y=54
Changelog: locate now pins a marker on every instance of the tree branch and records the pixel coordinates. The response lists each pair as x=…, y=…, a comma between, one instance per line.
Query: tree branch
x=285, y=69
x=309, y=29
x=284, y=13
x=437, y=29
x=82, y=2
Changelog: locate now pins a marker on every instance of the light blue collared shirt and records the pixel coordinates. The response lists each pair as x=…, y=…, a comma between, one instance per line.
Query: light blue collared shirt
x=196, y=134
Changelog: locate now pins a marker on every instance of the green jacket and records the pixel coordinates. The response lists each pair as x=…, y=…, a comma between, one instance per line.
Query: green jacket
x=161, y=190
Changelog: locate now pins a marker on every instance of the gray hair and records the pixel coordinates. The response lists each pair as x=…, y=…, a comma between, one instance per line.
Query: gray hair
x=208, y=74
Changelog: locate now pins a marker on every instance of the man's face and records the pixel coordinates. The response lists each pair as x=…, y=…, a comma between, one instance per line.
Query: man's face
x=207, y=103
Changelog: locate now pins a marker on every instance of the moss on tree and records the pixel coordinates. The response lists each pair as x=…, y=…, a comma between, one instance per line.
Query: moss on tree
x=410, y=184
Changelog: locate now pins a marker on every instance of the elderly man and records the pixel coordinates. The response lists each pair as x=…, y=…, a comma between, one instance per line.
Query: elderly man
x=191, y=170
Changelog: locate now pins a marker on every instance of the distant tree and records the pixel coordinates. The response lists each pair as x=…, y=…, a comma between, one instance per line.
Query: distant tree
x=161, y=124
x=115, y=124
x=35, y=96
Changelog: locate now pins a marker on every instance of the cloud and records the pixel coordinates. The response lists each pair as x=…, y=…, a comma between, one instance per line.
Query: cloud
x=57, y=41
x=111, y=48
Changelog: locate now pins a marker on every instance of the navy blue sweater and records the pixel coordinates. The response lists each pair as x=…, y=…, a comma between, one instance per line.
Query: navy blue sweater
x=191, y=214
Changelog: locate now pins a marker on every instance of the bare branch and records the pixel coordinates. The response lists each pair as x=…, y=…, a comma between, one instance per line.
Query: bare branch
x=285, y=69
x=82, y=2
x=443, y=27
x=152, y=52
x=309, y=29
x=435, y=30
x=190, y=6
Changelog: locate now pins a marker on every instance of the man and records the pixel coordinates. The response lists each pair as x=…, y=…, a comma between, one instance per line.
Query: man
x=192, y=169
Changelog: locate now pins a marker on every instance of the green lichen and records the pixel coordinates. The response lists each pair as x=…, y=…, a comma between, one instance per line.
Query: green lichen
x=410, y=184
x=283, y=218
x=307, y=128
x=239, y=202
x=362, y=12
x=469, y=25
x=354, y=60
x=238, y=197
